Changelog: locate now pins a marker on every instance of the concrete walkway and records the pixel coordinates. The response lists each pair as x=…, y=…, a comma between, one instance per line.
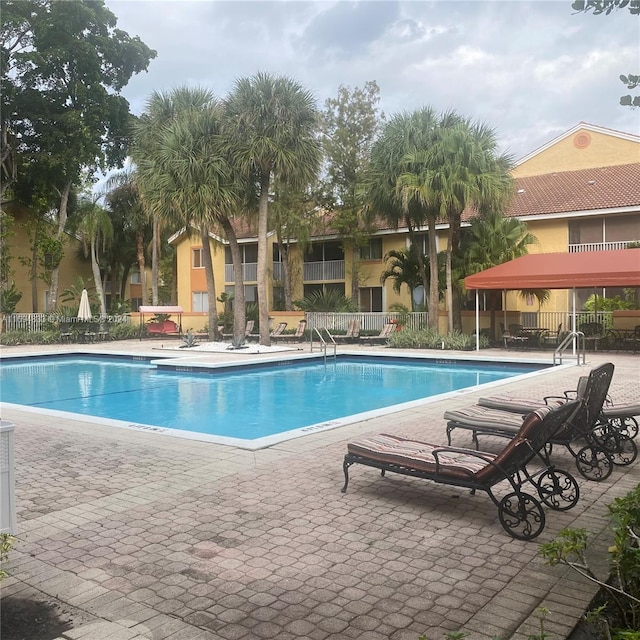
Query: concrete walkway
x=145, y=537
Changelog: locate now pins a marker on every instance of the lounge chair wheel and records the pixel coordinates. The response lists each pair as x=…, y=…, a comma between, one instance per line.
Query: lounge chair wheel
x=593, y=463
x=626, y=426
x=558, y=489
x=521, y=515
x=621, y=448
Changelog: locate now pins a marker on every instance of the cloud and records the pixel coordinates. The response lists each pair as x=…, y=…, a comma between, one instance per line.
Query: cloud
x=530, y=69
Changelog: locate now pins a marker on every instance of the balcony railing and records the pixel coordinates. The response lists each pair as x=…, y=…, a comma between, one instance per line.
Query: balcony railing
x=320, y=271
x=600, y=246
x=249, y=272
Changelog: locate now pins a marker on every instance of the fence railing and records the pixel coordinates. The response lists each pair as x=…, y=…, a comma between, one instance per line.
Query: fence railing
x=369, y=321
x=33, y=322
x=552, y=319
x=327, y=270
x=600, y=246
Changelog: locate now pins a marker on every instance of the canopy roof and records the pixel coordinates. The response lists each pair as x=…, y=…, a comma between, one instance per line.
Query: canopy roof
x=620, y=268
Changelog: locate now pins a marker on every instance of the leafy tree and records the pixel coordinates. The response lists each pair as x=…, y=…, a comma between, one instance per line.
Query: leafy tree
x=600, y=7
x=349, y=125
x=293, y=216
x=96, y=231
x=63, y=67
x=123, y=200
x=272, y=126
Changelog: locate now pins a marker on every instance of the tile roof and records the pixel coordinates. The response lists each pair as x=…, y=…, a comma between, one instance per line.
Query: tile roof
x=582, y=190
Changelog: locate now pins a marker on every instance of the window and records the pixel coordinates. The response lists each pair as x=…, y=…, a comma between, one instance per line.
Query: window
x=370, y=299
x=248, y=254
x=135, y=277
x=135, y=304
x=372, y=250
x=325, y=252
x=200, y=301
x=250, y=292
x=197, y=261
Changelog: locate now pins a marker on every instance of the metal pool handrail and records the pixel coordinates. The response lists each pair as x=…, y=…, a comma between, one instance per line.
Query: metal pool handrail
x=323, y=341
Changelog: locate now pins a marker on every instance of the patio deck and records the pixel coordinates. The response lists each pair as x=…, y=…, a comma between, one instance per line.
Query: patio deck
x=137, y=536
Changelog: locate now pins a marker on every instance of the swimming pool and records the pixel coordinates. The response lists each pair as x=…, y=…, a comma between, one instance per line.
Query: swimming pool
x=245, y=405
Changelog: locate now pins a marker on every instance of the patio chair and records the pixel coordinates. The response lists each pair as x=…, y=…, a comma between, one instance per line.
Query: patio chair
x=520, y=514
x=247, y=330
x=599, y=444
x=353, y=332
x=278, y=330
x=514, y=336
x=387, y=329
x=298, y=336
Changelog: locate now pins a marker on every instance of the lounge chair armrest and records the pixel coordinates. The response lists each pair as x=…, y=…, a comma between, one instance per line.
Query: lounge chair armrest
x=485, y=457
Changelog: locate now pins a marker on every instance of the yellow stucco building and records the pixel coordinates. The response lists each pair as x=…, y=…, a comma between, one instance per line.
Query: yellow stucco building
x=578, y=192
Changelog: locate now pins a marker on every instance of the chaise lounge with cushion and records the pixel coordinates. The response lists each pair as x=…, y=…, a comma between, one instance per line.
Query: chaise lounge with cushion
x=595, y=443
x=520, y=513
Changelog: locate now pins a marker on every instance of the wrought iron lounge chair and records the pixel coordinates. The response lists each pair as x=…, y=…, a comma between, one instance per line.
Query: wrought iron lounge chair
x=621, y=416
x=592, y=441
x=382, y=337
x=520, y=514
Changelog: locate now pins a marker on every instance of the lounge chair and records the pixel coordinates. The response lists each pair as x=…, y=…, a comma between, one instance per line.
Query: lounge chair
x=247, y=330
x=353, y=332
x=387, y=329
x=278, y=330
x=298, y=336
x=620, y=416
x=599, y=445
x=520, y=514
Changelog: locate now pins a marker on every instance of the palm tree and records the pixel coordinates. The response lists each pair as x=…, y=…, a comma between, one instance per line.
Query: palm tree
x=403, y=267
x=271, y=132
x=397, y=191
x=96, y=231
x=192, y=184
x=490, y=240
x=464, y=172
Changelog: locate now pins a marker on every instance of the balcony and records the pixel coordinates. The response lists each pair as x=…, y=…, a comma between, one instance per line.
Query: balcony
x=323, y=271
x=600, y=246
x=249, y=272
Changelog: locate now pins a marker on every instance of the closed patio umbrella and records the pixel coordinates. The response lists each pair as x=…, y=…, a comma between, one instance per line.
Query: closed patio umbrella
x=84, y=311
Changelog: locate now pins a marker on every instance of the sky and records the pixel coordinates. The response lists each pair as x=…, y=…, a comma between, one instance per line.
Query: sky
x=530, y=70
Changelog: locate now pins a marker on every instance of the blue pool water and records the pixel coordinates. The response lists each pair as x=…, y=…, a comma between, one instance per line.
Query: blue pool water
x=245, y=403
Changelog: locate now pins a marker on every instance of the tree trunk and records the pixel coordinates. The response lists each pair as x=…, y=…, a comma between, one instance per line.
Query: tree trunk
x=62, y=221
x=434, y=294
x=286, y=275
x=142, y=265
x=34, y=272
x=211, y=283
x=95, y=270
x=155, y=259
x=263, y=301
x=355, y=288
x=239, y=303
x=453, y=303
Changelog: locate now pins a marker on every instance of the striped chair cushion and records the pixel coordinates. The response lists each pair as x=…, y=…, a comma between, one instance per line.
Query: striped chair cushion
x=518, y=405
x=419, y=455
x=485, y=418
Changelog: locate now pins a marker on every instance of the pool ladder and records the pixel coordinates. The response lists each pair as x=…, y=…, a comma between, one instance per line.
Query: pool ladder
x=323, y=341
x=575, y=339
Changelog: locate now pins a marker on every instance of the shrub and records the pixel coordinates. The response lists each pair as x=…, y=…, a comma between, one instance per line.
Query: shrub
x=430, y=339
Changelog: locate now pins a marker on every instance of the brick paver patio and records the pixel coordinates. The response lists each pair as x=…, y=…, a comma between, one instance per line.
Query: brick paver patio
x=143, y=536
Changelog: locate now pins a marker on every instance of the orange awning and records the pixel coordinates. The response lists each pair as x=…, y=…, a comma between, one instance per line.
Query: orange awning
x=620, y=268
